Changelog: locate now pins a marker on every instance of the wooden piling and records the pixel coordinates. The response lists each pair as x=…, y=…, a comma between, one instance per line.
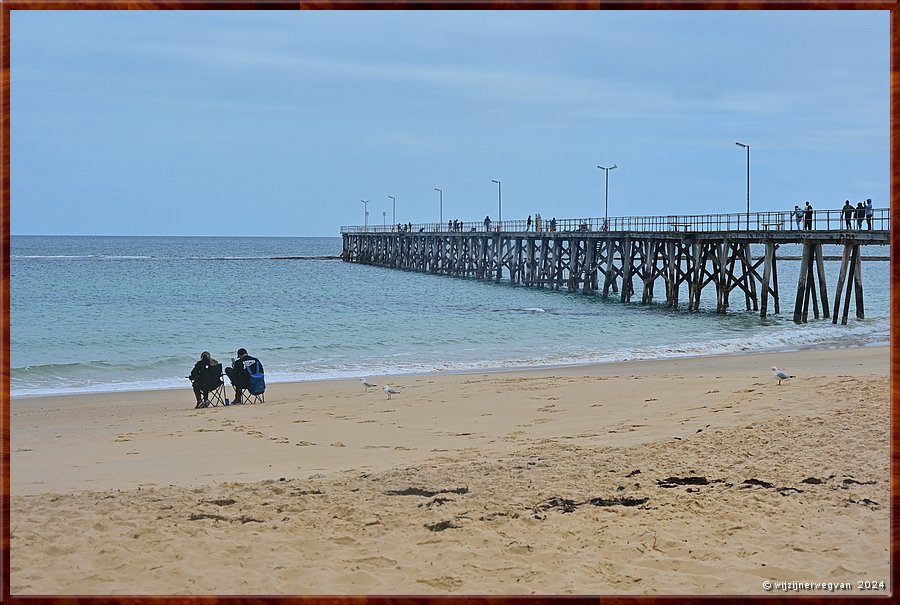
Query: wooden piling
x=801, y=285
x=842, y=274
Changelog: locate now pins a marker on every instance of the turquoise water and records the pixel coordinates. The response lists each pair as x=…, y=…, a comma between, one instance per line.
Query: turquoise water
x=121, y=313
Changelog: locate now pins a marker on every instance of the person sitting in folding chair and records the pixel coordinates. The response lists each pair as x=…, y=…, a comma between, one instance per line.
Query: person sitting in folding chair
x=246, y=373
x=205, y=377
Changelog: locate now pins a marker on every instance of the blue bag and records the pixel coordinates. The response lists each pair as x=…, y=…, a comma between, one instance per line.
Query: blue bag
x=257, y=384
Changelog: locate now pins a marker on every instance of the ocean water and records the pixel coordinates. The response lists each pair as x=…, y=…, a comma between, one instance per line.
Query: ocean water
x=92, y=314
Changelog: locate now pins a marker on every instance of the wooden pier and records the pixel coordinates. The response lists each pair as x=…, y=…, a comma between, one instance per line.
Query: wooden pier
x=607, y=256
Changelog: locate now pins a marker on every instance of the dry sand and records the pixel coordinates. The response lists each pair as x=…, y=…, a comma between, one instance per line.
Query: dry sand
x=550, y=481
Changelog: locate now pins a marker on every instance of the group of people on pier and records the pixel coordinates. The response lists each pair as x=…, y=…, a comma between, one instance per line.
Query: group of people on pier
x=801, y=218
x=862, y=212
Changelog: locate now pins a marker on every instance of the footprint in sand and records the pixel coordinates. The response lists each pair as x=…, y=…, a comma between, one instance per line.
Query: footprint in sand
x=377, y=561
x=443, y=583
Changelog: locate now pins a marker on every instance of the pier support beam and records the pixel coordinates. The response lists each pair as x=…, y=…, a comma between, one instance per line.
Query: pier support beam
x=811, y=264
x=850, y=263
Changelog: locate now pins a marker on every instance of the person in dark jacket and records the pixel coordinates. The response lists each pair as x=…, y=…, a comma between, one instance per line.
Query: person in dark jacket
x=860, y=215
x=239, y=372
x=205, y=377
x=808, y=217
x=848, y=213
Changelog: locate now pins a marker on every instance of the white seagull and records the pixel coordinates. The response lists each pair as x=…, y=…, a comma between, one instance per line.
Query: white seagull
x=367, y=384
x=780, y=375
x=390, y=391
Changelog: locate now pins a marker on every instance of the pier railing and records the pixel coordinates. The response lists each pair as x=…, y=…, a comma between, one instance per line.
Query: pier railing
x=822, y=220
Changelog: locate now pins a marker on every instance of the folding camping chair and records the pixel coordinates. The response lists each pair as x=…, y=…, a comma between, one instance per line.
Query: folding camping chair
x=213, y=381
x=255, y=380
x=251, y=398
x=248, y=397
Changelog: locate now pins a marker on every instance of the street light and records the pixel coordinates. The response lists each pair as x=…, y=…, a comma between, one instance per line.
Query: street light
x=441, y=191
x=499, y=204
x=606, y=207
x=747, y=147
x=394, y=206
x=365, y=204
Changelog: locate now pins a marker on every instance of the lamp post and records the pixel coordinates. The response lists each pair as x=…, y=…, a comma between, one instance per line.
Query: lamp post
x=499, y=204
x=747, y=147
x=365, y=204
x=606, y=206
x=394, y=207
x=441, y=191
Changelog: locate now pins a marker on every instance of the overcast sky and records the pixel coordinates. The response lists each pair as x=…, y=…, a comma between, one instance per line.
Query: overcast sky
x=279, y=123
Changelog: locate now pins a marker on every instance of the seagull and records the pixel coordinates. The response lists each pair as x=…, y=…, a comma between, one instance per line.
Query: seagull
x=780, y=375
x=390, y=391
x=367, y=384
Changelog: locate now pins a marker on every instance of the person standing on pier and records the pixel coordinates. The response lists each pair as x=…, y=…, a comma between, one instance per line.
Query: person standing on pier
x=528, y=224
x=487, y=223
x=860, y=215
x=848, y=214
x=870, y=213
x=808, y=217
x=798, y=217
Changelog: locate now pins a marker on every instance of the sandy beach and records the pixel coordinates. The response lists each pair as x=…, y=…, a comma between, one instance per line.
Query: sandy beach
x=691, y=476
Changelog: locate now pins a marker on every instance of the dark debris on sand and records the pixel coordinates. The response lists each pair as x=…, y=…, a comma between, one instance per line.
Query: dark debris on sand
x=617, y=501
x=676, y=481
x=566, y=505
x=441, y=526
x=241, y=519
x=757, y=482
x=865, y=502
x=435, y=502
x=418, y=491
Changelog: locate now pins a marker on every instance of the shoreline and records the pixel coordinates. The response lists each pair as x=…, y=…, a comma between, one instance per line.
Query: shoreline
x=825, y=345
x=687, y=476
